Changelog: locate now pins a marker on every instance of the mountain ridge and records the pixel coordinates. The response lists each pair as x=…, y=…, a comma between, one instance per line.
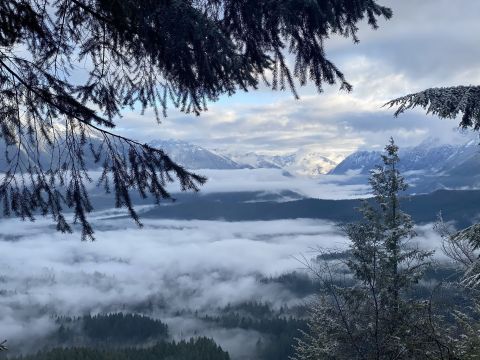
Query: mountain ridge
x=428, y=157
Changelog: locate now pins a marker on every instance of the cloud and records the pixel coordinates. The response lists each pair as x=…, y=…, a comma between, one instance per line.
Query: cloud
x=196, y=265
x=332, y=187
x=239, y=342
x=431, y=42
x=180, y=264
x=427, y=43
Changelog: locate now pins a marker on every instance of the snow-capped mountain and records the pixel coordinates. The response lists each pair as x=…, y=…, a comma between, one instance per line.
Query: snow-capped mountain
x=428, y=166
x=359, y=162
x=254, y=160
x=193, y=156
x=300, y=163
x=313, y=164
x=429, y=157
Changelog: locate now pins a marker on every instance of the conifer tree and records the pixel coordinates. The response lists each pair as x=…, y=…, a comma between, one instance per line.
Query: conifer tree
x=450, y=103
x=445, y=102
x=375, y=317
x=69, y=69
x=462, y=247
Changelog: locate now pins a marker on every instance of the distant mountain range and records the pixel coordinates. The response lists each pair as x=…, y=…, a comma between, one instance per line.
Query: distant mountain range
x=300, y=162
x=197, y=157
x=428, y=157
x=428, y=166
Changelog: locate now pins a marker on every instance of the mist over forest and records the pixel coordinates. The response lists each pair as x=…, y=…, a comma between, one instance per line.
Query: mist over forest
x=193, y=275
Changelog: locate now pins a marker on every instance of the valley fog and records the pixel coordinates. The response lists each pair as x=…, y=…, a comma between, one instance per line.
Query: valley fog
x=168, y=269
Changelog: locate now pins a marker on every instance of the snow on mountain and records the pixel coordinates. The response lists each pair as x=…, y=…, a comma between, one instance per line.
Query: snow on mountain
x=312, y=164
x=256, y=161
x=301, y=162
x=359, y=161
x=193, y=156
x=429, y=157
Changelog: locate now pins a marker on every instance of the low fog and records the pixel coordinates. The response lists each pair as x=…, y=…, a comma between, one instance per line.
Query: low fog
x=174, y=265
x=333, y=187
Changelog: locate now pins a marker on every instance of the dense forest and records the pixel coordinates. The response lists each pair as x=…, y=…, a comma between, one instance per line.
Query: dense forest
x=133, y=336
x=279, y=332
x=194, y=349
x=117, y=328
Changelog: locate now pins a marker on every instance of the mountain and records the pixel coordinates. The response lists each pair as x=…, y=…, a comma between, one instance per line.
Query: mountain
x=429, y=157
x=312, y=164
x=428, y=166
x=195, y=157
x=188, y=155
x=301, y=162
x=47, y=157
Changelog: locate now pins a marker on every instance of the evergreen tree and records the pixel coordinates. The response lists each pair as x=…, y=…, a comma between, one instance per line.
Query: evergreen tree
x=462, y=247
x=376, y=317
x=445, y=102
x=68, y=69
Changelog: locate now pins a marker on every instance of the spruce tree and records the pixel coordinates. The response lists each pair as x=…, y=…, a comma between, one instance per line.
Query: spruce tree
x=376, y=316
x=70, y=68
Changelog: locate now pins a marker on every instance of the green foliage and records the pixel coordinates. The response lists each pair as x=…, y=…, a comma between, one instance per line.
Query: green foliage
x=381, y=258
x=450, y=103
x=298, y=283
x=276, y=329
x=466, y=332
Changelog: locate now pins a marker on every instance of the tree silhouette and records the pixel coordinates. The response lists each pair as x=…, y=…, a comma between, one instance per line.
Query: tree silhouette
x=69, y=68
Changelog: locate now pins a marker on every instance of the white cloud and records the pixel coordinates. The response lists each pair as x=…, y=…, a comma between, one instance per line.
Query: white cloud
x=185, y=264
x=427, y=43
x=274, y=180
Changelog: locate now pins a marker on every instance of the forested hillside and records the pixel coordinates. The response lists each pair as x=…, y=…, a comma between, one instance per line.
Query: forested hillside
x=195, y=349
x=113, y=329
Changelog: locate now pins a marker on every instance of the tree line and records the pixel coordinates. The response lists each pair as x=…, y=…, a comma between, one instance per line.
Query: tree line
x=193, y=349
x=115, y=328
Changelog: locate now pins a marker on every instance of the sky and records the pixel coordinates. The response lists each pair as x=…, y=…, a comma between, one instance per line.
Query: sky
x=427, y=43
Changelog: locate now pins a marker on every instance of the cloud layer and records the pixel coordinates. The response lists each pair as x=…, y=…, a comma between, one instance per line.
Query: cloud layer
x=428, y=43
x=176, y=265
